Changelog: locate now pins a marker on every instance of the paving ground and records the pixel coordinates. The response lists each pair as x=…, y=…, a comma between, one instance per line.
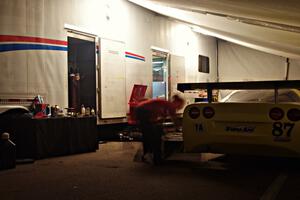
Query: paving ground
x=112, y=173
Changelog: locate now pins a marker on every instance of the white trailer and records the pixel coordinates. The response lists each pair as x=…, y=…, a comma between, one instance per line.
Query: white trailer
x=111, y=43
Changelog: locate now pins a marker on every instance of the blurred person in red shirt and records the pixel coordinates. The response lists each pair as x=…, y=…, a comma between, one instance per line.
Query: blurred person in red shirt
x=150, y=115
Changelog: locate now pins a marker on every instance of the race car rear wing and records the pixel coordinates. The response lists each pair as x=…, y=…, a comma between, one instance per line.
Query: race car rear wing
x=247, y=85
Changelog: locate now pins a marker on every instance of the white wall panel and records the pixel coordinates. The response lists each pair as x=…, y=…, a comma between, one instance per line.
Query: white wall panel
x=56, y=14
x=237, y=63
x=206, y=46
x=138, y=33
x=13, y=17
x=35, y=18
x=14, y=74
x=46, y=76
x=37, y=72
x=294, y=70
x=179, y=39
x=177, y=72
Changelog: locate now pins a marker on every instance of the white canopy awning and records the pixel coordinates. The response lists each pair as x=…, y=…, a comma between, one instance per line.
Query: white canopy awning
x=271, y=26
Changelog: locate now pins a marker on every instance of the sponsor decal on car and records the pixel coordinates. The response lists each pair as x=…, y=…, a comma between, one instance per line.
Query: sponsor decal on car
x=240, y=129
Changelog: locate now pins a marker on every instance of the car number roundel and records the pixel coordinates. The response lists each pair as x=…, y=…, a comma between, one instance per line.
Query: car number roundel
x=194, y=112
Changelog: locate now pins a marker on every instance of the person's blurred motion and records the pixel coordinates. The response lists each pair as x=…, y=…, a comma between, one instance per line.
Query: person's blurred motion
x=150, y=114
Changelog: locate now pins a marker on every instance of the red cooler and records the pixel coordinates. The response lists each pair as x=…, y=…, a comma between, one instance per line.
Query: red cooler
x=137, y=95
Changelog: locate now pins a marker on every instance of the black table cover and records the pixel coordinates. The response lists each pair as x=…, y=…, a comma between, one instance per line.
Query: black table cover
x=47, y=137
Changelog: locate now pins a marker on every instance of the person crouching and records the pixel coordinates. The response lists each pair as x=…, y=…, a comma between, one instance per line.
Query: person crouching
x=149, y=116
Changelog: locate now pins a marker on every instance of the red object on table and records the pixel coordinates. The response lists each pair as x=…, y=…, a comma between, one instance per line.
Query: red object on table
x=40, y=110
x=137, y=95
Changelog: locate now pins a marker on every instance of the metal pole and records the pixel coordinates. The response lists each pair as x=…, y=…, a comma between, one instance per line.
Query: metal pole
x=276, y=95
x=287, y=64
x=209, y=95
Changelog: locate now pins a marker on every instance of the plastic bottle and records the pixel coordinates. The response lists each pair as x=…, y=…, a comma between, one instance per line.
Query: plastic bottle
x=48, y=110
x=82, y=110
x=7, y=152
x=93, y=111
x=87, y=111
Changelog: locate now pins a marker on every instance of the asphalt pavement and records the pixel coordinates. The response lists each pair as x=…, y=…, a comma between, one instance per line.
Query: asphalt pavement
x=113, y=172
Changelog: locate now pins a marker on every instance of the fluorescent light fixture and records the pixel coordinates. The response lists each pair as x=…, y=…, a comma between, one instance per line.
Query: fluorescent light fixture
x=165, y=10
x=158, y=62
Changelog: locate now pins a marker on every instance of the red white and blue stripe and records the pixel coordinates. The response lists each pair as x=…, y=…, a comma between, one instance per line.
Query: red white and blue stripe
x=16, y=43
x=134, y=56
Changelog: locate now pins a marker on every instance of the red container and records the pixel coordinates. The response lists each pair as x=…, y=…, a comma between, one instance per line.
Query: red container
x=40, y=110
x=137, y=95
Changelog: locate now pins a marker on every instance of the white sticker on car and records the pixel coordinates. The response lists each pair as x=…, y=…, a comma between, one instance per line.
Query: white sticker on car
x=240, y=129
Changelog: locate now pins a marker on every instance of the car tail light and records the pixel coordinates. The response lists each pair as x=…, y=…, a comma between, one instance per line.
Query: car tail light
x=293, y=114
x=276, y=113
x=208, y=112
x=194, y=112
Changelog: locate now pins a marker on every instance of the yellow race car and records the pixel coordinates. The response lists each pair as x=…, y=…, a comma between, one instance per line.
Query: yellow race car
x=261, y=119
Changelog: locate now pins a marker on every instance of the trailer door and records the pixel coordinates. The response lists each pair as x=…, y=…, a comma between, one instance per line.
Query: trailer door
x=112, y=84
x=81, y=71
x=160, y=73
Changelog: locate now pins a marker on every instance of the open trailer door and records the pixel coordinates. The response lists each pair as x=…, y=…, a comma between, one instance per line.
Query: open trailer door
x=81, y=71
x=112, y=99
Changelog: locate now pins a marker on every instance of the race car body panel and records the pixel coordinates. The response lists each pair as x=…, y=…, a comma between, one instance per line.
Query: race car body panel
x=255, y=126
x=241, y=128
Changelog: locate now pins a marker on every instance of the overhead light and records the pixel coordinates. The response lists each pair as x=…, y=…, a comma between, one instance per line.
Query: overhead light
x=158, y=8
x=158, y=62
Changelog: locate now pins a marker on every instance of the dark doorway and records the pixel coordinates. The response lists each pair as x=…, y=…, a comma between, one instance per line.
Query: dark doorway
x=81, y=73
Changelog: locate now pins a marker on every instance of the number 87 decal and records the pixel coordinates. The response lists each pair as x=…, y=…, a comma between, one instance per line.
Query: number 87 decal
x=280, y=128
